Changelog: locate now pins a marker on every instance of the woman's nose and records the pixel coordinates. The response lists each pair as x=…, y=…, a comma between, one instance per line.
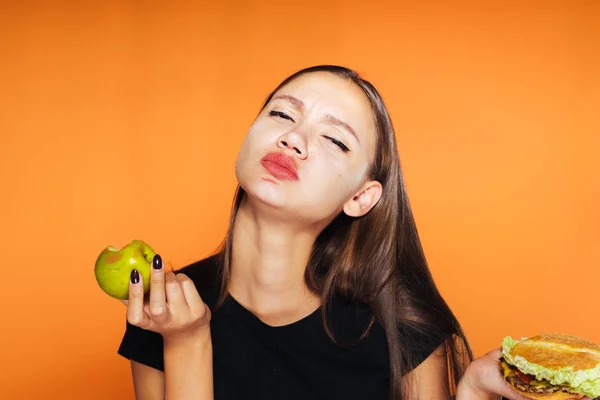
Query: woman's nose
x=293, y=142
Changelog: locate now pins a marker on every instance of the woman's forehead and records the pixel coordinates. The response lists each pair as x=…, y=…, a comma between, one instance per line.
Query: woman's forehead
x=331, y=94
x=326, y=85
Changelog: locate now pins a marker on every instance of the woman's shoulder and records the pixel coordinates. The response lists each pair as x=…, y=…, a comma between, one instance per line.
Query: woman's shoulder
x=350, y=320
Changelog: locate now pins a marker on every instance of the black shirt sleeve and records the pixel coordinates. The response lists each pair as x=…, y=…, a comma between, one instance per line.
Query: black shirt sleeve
x=419, y=345
x=143, y=346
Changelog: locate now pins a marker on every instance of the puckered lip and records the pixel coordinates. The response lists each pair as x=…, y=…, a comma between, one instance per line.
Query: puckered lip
x=282, y=161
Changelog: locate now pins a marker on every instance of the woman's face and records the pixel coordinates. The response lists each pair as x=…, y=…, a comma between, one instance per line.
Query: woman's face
x=308, y=152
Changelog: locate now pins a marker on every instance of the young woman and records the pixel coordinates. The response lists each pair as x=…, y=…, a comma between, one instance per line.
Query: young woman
x=321, y=289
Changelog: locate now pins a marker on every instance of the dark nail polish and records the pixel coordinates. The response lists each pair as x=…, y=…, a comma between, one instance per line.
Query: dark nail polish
x=157, y=262
x=135, y=276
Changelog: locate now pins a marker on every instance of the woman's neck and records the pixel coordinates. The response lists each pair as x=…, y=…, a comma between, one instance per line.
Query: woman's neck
x=268, y=266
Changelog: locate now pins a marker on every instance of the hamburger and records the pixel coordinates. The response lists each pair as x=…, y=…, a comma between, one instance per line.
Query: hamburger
x=552, y=367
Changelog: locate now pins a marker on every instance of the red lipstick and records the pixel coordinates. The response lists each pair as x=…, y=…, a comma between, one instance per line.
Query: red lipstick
x=280, y=166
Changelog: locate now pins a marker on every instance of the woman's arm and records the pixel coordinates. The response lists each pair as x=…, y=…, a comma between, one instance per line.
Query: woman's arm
x=482, y=380
x=189, y=368
x=148, y=382
x=184, y=364
x=429, y=380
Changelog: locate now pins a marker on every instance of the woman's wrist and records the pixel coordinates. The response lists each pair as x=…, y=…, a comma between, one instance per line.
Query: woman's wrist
x=191, y=352
x=194, y=340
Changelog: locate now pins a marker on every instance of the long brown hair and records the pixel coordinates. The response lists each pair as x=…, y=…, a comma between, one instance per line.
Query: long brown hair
x=377, y=259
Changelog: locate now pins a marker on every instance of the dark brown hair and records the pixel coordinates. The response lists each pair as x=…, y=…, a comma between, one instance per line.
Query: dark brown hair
x=377, y=259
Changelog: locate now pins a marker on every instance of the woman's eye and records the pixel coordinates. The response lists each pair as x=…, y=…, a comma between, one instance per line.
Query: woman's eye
x=341, y=145
x=280, y=114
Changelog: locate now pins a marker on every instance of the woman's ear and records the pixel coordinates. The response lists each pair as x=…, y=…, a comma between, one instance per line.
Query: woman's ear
x=364, y=200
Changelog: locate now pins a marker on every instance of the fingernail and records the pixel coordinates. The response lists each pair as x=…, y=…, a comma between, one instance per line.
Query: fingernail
x=157, y=262
x=135, y=276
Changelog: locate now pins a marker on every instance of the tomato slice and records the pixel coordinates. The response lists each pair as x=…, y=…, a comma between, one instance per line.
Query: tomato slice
x=524, y=377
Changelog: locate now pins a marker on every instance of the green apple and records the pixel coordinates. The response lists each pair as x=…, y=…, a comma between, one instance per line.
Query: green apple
x=113, y=268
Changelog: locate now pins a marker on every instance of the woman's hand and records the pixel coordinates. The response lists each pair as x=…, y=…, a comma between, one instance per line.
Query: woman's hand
x=174, y=309
x=483, y=380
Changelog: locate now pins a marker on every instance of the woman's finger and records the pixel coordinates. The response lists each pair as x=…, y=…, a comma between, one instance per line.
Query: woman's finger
x=495, y=353
x=195, y=303
x=175, y=299
x=135, y=308
x=501, y=386
x=169, y=267
x=157, y=303
x=507, y=392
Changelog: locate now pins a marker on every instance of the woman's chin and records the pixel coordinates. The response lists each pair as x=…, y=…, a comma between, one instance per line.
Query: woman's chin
x=286, y=203
x=265, y=193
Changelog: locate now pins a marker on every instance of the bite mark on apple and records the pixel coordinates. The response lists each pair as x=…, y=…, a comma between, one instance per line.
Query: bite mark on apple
x=137, y=253
x=112, y=258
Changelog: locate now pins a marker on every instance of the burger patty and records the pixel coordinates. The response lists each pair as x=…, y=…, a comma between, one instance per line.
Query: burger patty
x=528, y=388
x=528, y=383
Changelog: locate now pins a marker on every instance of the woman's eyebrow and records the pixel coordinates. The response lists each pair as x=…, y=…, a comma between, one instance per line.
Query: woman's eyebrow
x=336, y=121
x=295, y=101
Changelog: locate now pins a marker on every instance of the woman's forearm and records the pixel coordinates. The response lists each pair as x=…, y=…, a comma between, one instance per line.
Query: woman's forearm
x=189, y=368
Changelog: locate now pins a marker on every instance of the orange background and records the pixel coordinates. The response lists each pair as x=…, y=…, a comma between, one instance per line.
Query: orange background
x=122, y=120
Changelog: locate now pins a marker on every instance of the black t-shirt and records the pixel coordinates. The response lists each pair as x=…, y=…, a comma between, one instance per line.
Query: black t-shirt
x=296, y=361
